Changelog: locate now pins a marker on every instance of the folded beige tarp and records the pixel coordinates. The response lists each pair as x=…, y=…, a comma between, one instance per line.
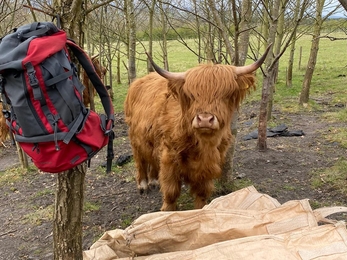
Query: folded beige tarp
x=242, y=225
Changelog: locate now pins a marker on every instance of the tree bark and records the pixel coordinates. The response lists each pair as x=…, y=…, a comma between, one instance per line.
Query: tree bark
x=228, y=167
x=221, y=28
x=67, y=228
x=305, y=91
x=164, y=40
x=243, y=41
x=278, y=16
x=289, y=78
x=269, y=75
x=131, y=27
x=344, y=4
x=262, y=127
x=151, y=10
x=198, y=32
x=67, y=225
x=110, y=69
x=245, y=19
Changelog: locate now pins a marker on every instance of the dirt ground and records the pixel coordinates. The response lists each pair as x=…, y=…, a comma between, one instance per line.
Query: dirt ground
x=282, y=172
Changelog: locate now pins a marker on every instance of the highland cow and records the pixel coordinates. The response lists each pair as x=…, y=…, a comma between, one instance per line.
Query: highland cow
x=179, y=126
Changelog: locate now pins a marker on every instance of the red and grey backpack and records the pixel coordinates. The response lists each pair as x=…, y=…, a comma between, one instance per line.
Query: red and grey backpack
x=47, y=116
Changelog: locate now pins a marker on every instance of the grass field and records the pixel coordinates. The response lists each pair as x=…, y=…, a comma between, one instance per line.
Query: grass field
x=329, y=77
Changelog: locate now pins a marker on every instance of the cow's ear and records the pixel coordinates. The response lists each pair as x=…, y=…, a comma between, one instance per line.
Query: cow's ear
x=176, y=86
x=246, y=84
x=176, y=89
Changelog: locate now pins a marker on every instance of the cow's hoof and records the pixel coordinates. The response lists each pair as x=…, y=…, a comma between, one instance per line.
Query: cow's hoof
x=153, y=184
x=168, y=207
x=143, y=191
x=143, y=187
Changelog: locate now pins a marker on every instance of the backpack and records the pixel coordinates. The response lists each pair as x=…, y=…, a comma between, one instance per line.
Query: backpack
x=47, y=116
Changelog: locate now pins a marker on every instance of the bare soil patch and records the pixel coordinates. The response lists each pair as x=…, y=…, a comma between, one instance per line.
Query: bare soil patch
x=283, y=172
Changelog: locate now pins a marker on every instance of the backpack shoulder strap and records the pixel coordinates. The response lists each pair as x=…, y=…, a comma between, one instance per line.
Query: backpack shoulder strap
x=88, y=66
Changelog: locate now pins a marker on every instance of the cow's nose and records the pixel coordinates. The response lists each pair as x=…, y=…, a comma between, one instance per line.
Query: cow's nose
x=205, y=120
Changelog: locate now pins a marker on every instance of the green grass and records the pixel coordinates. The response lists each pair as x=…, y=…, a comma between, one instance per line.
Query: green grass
x=12, y=175
x=337, y=135
x=185, y=201
x=91, y=206
x=329, y=75
x=337, y=116
x=38, y=215
x=333, y=177
x=329, y=79
x=126, y=221
x=44, y=192
x=223, y=187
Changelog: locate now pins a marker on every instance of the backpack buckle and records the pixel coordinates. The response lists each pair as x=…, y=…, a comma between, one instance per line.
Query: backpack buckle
x=33, y=81
x=32, y=78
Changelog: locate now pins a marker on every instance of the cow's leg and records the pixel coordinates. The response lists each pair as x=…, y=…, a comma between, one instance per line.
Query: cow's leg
x=171, y=192
x=153, y=181
x=170, y=182
x=201, y=191
x=141, y=174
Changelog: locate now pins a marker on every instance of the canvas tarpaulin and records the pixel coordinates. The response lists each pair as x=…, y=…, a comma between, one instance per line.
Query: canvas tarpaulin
x=245, y=224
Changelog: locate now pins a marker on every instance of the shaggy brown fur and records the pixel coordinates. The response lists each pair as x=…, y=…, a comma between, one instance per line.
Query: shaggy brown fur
x=160, y=112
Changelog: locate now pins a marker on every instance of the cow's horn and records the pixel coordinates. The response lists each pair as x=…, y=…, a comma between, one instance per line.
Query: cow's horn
x=252, y=67
x=94, y=56
x=164, y=73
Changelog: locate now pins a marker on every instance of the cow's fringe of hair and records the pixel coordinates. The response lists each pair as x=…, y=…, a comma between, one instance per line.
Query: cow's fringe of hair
x=204, y=77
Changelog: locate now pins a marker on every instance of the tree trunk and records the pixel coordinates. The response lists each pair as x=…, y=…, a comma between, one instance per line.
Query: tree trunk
x=221, y=27
x=198, y=31
x=262, y=144
x=289, y=81
x=272, y=92
x=164, y=34
x=305, y=91
x=23, y=158
x=270, y=72
x=150, y=34
x=289, y=78
x=268, y=81
x=245, y=19
x=118, y=68
x=243, y=41
x=67, y=225
x=67, y=229
x=279, y=23
x=227, y=171
x=131, y=27
x=344, y=4
x=110, y=69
